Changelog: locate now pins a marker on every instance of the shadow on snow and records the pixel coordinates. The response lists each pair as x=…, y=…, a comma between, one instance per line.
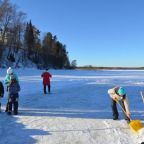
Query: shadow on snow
x=13, y=132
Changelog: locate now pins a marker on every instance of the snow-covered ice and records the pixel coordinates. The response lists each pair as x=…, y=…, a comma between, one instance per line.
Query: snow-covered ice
x=78, y=111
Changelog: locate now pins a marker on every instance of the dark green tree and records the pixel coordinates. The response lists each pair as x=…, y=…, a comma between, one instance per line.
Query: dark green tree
x=29, y=40
x=32, y=42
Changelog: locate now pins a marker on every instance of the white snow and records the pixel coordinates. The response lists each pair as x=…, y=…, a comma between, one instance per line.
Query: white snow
x=78, y=111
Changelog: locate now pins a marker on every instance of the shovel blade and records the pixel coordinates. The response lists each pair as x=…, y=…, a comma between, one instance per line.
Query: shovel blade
x=135, y=125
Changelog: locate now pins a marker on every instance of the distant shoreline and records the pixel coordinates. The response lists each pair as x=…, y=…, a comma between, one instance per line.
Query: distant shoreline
x=109, y=68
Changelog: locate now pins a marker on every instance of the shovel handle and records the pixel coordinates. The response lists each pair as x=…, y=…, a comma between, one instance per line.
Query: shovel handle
x=122, y=109
x=142, y=96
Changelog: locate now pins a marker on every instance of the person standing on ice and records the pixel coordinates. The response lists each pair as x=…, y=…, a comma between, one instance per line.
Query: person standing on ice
x=13, y=95
x=1, y=92
x=7, y=80
x=46, y=81
x=118, y=95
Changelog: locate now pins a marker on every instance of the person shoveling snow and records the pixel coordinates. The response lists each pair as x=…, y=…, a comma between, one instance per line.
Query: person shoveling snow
x=118, y=94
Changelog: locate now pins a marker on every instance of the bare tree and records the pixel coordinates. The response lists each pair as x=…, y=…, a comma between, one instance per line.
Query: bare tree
x=16, y=30
x=6, y=16
x=11, y=28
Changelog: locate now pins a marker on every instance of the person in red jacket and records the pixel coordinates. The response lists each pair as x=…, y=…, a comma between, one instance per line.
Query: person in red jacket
x=46, y=81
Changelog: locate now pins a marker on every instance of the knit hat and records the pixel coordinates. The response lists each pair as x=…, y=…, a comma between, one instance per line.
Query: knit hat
x=9, y=70
x=121, y=91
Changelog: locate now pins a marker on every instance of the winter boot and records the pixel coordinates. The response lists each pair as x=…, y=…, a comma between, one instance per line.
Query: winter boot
x=9, y=113
x=15, y=113
x=115, y=118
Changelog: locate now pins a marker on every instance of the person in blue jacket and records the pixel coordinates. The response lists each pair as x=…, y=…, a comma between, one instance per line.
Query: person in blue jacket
x=7, y=81
x=13, y=95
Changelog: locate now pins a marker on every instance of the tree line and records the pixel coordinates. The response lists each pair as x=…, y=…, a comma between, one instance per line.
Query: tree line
x=20, y=42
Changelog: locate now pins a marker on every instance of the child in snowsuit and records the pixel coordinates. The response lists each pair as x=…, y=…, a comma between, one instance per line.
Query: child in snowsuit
x=13, y=95
x=1, y=92
x=118, y=94
x=46, y=81
x=7, y=81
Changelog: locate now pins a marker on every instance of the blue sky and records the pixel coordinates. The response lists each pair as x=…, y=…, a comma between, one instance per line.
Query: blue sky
x=96, y=32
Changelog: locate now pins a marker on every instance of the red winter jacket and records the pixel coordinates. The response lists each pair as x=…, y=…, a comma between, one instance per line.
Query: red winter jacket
x=46, y=78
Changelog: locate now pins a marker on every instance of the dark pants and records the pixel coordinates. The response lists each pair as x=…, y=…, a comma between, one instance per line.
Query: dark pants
x=12, y=103
x=115, y=111
x=44, y=87
x=6, y=110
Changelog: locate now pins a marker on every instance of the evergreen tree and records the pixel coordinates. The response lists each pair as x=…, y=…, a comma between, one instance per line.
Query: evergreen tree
x=29, y=40
x=54, y=52
x=46, y=50
x=73, y=64
x=32, y=42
